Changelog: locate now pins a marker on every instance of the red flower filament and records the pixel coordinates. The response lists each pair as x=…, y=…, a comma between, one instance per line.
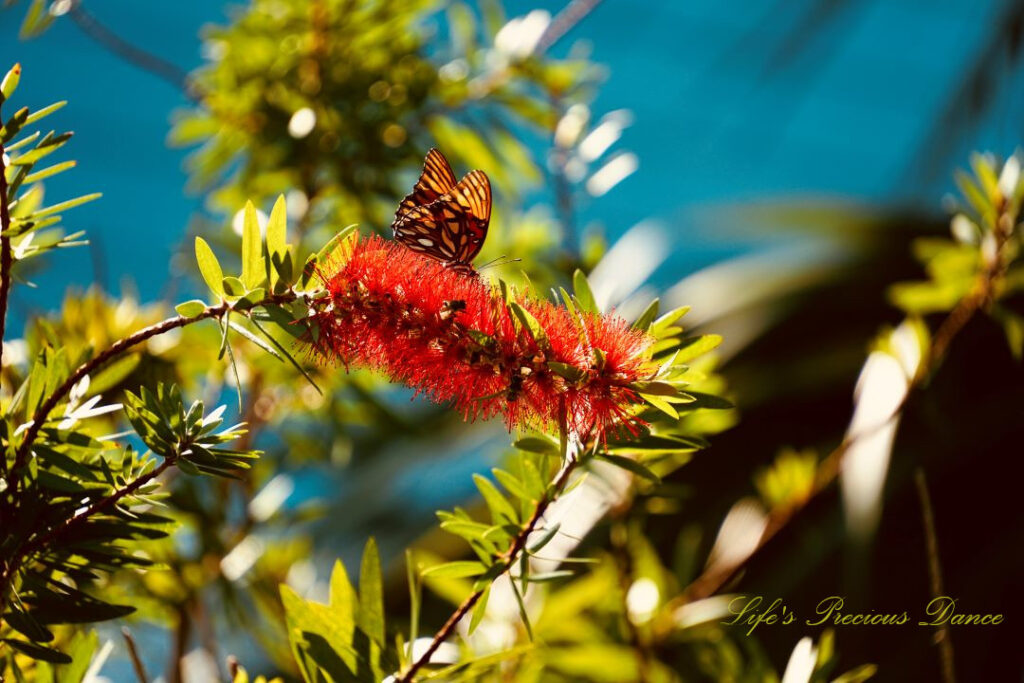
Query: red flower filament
x=450, y=335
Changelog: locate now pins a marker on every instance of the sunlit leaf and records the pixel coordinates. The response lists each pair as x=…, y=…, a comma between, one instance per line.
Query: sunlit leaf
x=209, y=267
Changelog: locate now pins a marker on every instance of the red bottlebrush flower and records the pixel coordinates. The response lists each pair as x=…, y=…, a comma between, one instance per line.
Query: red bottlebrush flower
x=451, y=335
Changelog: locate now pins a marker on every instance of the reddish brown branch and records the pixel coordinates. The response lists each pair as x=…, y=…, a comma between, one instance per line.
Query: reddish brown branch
x=978, y=299
x=116, y=349
x=6, y=258
x=517, y=546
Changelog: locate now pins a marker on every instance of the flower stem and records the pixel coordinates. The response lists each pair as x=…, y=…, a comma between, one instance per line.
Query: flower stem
x=14, y=563
x=518, y=545
x=975, y=301
x=43, y=541
x=6, y=258
x=943, y=637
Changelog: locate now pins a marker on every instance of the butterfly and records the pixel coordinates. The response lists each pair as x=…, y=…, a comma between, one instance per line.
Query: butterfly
x=444, y=219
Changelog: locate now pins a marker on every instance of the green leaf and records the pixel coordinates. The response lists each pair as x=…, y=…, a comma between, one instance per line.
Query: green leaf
x=661, y=404
x=531, y=325
x=64, y=206
x=321, y=636
x=13, y=125
x=209, y=267
x=532, y=480
x=471, y=531
x=26, y=625
x=10, y=82
x=371, y=594
x=277, y=227
x=49, y=171
x=545, y=577
x=455, y=570
x=187, y=467
x=501, y=510
x=655, y=388
x=39, y=652
x=537, y=444
x=584, y=295
x=660, y=327
x=341, y=595
x=253, y=268
x=696, y=346
x=985, y=174
x=415, y=595
x=233, y=286
x=569, y=372
x=337, y=251
x=190, y=309
x=522, y=608
x=288, y=356
x=549, y=534
x=45, y=111
x=630, y=465
x=482, y=340
x=647, y=317
x=480, y=609
x=702, y=400
x=256, y=340
x=858, y=675
x=511, y=484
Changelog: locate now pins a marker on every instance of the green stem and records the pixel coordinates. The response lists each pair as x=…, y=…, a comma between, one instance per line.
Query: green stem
x=508, y=558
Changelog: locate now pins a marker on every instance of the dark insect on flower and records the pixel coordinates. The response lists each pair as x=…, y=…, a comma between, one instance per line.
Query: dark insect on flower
x=450, y=308
x=515, y=388
x=444, y=219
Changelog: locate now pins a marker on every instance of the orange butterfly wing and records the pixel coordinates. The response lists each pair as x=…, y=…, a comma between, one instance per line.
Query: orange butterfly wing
x=436, y=179
x=452, y=228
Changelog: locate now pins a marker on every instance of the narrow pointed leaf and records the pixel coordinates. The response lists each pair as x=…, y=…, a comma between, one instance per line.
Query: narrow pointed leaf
x=252, y=250
x=209, y=267
x=371, y=594
x=584, y=295
x=479, y=610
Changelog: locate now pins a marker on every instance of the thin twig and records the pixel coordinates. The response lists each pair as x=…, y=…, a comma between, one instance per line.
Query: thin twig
x=133, y=652
x=6, y=258
x=10, y=566
x=42, y=541
x=116, y=349
x=978, y=299
x=518, y=544
x=147, y=61
x=943, y=637
x=567, y=19
x=182, y=633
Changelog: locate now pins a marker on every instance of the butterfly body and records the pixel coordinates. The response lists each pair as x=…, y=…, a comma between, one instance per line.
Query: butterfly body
x=444, y=219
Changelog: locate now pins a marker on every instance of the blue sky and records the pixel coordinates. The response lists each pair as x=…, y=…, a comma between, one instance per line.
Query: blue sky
x=732, y=102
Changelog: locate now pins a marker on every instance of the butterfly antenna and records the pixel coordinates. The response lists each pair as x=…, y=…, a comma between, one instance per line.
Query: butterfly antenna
x=500, y=261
